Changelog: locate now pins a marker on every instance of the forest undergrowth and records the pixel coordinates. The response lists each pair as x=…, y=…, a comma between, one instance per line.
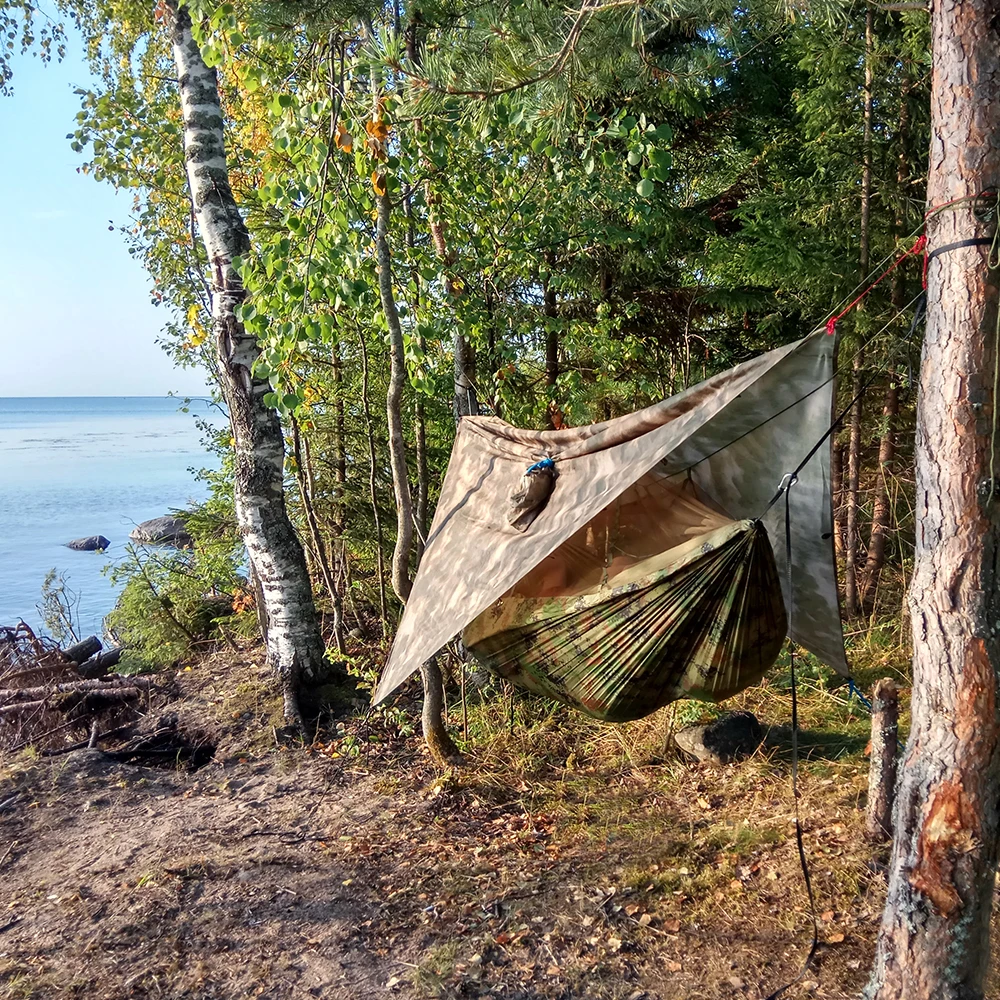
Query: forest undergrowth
x=563, y=857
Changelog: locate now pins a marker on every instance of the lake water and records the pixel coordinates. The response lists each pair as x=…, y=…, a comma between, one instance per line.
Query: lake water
x=77, y=466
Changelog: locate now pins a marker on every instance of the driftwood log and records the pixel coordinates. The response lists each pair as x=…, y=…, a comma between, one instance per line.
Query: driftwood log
x=83, y=650
x=100, y=663
x=882, y=764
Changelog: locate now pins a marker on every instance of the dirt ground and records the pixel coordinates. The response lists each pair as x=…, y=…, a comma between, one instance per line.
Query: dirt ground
x=555, y=864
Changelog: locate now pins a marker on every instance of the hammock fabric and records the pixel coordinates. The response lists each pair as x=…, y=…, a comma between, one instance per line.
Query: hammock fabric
x=702, y=620
x=622, y=565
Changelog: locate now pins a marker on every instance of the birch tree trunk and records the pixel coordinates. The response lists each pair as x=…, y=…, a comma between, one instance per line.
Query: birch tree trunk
x=934, y=939
x=294, y=644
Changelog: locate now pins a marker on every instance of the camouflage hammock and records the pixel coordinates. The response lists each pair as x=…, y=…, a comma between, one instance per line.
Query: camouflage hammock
x=619, y=566
x=702, y=620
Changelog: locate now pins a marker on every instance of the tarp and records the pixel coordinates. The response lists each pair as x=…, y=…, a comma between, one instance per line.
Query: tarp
x=735, y=436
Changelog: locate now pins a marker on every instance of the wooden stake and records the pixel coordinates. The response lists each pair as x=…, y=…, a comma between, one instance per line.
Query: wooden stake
x=882, y=767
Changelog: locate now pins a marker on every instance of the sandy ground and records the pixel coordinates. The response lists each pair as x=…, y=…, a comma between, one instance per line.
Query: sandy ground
x=285, y=872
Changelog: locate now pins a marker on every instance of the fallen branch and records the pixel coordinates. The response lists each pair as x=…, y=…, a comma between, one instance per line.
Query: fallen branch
x=46, y=691
x=108, y=693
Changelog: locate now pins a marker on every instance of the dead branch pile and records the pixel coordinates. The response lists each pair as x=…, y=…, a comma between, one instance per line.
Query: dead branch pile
x=48, y=695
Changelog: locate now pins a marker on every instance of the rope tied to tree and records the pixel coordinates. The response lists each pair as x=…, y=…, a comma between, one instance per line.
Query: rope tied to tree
x=917, y=248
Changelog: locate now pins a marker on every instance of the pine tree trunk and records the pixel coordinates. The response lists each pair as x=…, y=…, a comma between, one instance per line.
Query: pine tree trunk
x=882, y=510
x=851, y=606
x=934, y=939
x=294, y=645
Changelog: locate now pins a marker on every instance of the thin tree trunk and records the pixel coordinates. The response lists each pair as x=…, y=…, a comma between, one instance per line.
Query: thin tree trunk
x=934, y=939
x=339, y=441
x=294, y=644
x=550, y=309
x=882, y=510
x=837, y=491
x=423, y=480
x=394, y=406
x=852, y=604
x=309, y=509
x=882, y=763
x=466, y=401
x=864, y=256
x=432, y=720
x=373, y=490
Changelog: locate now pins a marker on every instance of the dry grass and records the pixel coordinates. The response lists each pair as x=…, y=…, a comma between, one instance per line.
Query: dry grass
x=566, y=858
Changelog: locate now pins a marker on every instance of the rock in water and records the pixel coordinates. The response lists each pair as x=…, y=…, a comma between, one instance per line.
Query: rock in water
x=730, y=737
x=93, y=543
x=167, y=530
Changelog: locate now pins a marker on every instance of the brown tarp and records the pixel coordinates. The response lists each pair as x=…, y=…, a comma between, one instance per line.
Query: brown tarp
x=735, y=435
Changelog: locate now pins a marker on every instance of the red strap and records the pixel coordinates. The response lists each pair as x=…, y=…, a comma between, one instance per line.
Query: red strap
x=918, y=247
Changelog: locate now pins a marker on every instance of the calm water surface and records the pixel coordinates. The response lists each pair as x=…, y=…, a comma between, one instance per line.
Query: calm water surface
x=77, y=466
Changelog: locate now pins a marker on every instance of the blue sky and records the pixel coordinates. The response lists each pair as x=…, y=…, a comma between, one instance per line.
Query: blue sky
x=75, y=313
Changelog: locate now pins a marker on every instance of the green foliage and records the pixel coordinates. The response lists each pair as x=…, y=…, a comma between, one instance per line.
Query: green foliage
x=26, y=28
x=651, y=193
x=59, y=608
x=176, y=601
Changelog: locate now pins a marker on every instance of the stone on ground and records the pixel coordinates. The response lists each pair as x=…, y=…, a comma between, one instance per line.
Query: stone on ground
x=729, y=738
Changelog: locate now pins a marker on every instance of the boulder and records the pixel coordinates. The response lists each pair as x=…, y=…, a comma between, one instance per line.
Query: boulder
x=729, y=738
x=168, y=530
x=92, y=543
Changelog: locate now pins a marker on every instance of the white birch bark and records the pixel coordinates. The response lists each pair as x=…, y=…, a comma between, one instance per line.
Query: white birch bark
x=294, y=644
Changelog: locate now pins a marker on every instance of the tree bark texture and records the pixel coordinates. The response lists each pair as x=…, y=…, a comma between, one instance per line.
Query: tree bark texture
x=934, y=939
x=882, y=763
x=294, y=644
x=466, y=403
x=438, y=741
x=550, y=311
x=423, y=475
x=882, y=513
x=852, y=485
x=882, y=508
x=837, y=493
x=308, y=507
x=394, y=406
x=373, y=491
